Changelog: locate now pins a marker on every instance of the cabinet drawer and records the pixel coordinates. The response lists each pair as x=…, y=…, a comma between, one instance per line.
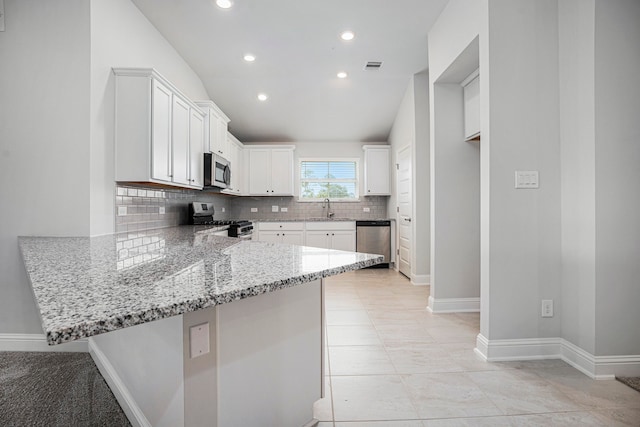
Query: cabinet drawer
x=274, y=226
x=331, y=225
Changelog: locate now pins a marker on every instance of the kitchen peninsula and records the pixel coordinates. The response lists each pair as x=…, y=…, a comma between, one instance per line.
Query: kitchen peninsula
x=202, y=329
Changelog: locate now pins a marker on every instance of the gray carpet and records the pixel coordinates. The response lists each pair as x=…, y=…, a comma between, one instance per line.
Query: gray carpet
x=633, y=382
x=55, y=389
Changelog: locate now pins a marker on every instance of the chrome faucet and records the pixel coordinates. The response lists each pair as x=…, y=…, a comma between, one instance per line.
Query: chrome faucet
x=329, y=213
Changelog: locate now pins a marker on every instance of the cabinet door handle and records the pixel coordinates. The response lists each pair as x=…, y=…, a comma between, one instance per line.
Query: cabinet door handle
x=408, y=219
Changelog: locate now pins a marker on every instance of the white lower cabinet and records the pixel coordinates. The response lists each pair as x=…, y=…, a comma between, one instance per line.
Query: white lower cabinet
x=339, y=235
x=281, y=232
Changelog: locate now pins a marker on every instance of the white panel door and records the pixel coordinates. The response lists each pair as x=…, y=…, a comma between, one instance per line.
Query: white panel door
x=270, y=236
x=293, y=237
x=161, y=132
x=405, y=209
x=318, y=239
x=180, y=140
x=282, y=172
x=259, y=171
x=196, y=150
x=343, y=240
x=377, y=171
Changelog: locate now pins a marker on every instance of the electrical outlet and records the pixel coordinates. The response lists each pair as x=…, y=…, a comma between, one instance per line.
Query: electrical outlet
x=122, y=210
x=161, y=210
x=254, y=210
x=275, y=208
x=199, y=340
x=366, y=209
x=547, y=308
x=223, y=209
x=284, y=209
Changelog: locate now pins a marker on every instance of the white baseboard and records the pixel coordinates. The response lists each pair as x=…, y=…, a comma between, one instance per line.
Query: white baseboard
x=597, y=367
x=38, y=342
x=120, y=391
x=454, y=305
x=420, y=279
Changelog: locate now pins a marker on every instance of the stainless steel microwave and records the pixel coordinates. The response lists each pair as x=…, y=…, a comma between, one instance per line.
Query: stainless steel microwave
x=217, y=171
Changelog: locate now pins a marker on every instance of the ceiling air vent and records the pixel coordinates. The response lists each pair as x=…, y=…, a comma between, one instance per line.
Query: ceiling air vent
x=373, y=65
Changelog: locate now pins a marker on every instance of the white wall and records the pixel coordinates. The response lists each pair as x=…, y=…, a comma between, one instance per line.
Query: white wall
x=57, y=132
x=411, y=128
x=455, y=198
x=455, y=164
x=517, y=55
x=577, y=113
x=122, y=37
x=44, y=133
x=617, y=160
x=421, y=264
x=524, y=225
x=402, y=134
x=148, y=360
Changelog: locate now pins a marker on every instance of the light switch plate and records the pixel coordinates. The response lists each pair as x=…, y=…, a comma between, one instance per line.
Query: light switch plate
x=1, y=15
x=527, y=180
x=275, y=208
x=161, y=210
x=122, y=210
x=254, y=210
x=199, y=340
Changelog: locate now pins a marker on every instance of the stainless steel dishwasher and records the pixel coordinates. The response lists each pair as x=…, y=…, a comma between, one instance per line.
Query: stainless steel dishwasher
x=374, y=237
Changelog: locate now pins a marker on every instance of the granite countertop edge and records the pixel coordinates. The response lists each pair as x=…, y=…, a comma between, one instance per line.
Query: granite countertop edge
x=314, y=219
x=54, y=296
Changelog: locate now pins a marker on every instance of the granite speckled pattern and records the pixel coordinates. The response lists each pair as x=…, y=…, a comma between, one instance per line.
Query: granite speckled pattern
x=85, y=286
x=320, y=219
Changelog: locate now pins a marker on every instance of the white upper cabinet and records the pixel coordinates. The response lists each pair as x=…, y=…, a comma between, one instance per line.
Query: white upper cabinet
x=196, y=149
x=215, y=128
x=377, y=161
x=159, y=131
x=471, y=89
x=270, y=170
x=236, y=159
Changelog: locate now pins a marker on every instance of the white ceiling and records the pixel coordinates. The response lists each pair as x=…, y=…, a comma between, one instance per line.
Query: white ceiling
x=299, y=52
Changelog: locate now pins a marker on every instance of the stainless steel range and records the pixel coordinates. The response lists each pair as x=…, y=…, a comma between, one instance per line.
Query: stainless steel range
x=202, y=214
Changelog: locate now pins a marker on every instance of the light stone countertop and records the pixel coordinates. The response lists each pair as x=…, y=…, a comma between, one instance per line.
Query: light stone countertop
x=320, y=219
x=84, y=286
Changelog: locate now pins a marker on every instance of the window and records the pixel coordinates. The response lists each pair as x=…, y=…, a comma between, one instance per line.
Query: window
x=333, y=179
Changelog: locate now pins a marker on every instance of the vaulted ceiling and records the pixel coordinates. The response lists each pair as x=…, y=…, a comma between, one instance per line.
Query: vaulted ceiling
x=298, y=53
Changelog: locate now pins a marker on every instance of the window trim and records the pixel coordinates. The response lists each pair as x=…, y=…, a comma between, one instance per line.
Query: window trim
x=299, y=178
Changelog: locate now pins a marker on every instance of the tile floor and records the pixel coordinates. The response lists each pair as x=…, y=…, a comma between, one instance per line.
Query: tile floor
x=391, y=363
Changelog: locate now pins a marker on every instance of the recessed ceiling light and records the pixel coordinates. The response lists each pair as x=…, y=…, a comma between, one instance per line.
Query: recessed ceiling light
x=262, y=97
x=347, y=35
x=342, y=75
x=249, y=57
x=224, y=4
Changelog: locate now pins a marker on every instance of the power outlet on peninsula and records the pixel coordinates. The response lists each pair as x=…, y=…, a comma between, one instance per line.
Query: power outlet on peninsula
x=199, y=340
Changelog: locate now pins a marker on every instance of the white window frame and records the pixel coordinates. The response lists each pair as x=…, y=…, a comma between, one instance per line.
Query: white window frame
x=299, y=178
